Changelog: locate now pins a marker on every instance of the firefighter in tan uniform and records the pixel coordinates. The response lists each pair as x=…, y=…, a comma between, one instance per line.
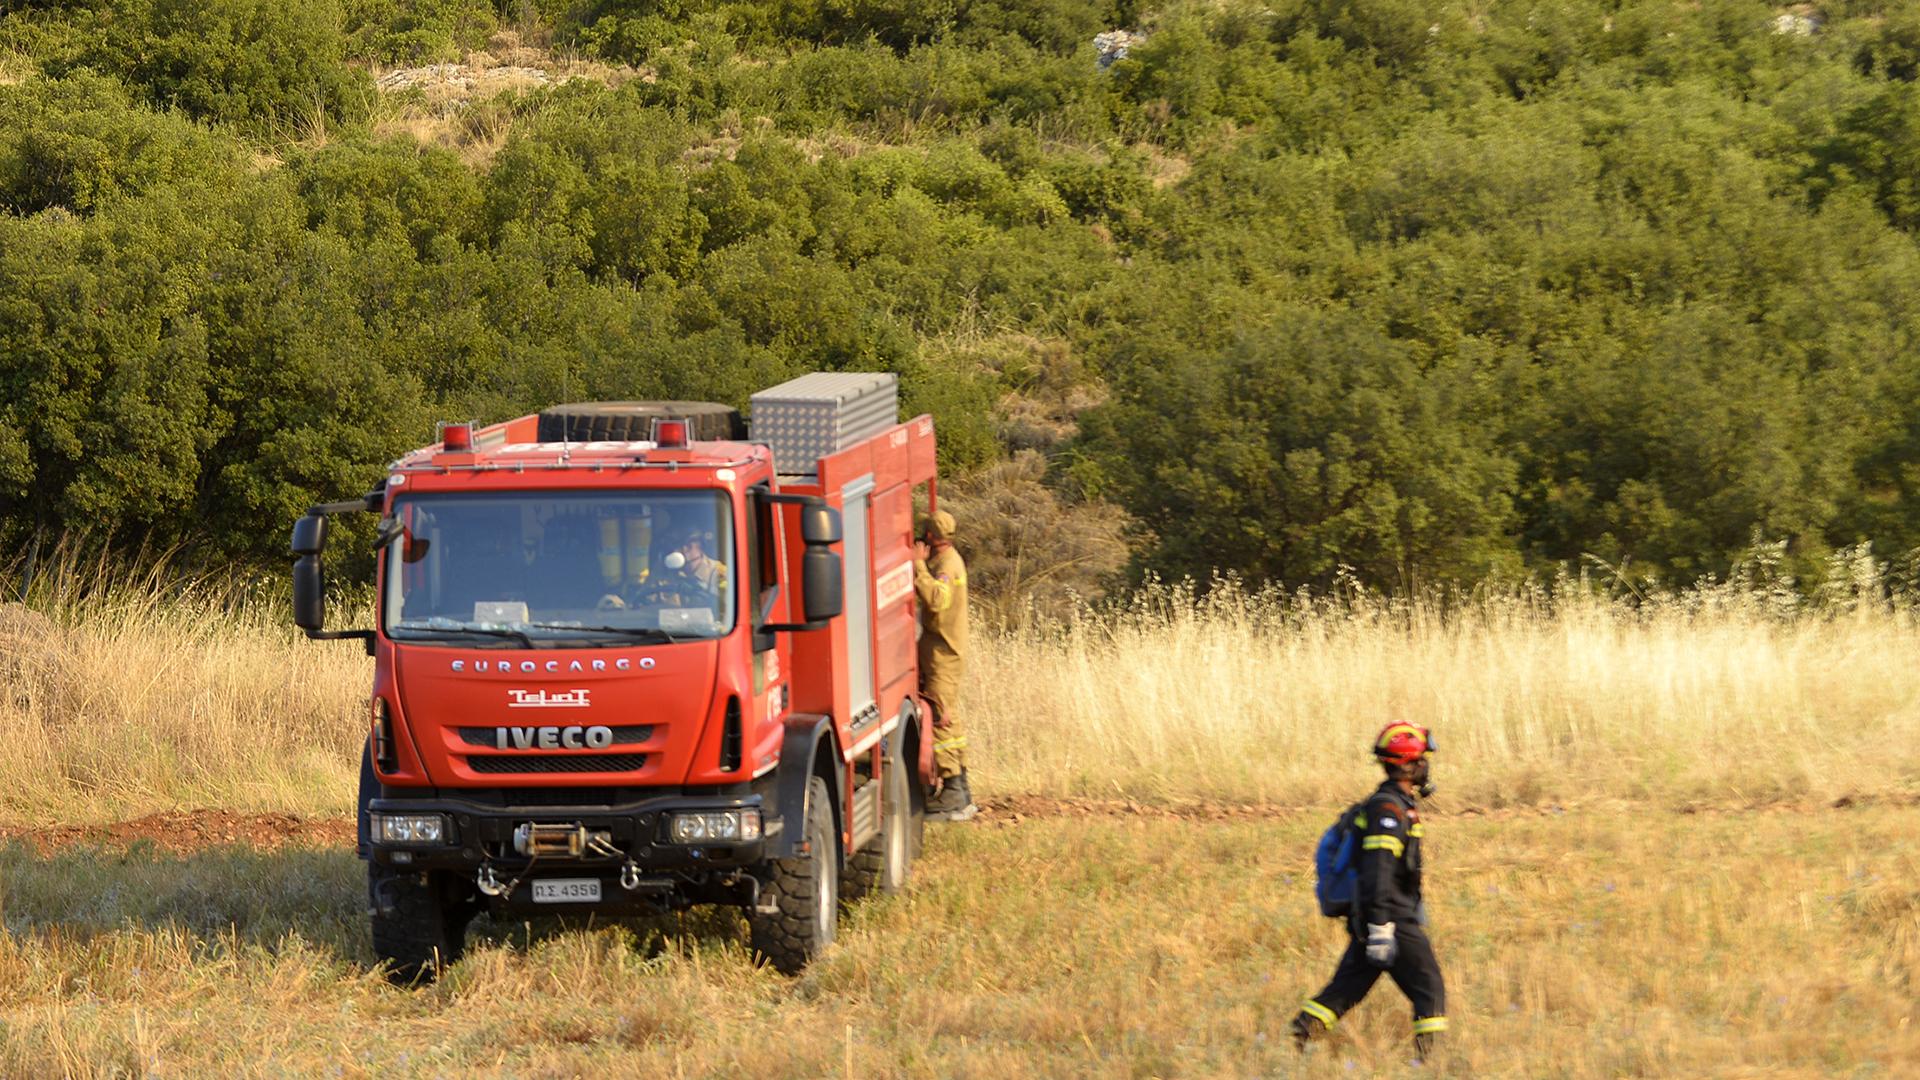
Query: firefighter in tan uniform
x=940, y=582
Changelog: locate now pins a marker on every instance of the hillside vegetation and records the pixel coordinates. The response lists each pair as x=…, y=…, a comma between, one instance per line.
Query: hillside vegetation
x=1426, y=288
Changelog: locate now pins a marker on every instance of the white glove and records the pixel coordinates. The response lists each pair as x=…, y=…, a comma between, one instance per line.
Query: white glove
x=1381, y=945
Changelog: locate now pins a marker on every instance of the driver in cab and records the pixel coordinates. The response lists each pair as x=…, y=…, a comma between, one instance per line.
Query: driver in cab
x=691, y=577
x=688, y=577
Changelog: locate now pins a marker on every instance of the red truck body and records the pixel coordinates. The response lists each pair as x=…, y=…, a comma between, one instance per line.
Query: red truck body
x=510, y=749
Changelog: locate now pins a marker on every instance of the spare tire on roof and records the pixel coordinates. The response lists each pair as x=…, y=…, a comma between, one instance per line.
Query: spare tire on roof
x=632, y=421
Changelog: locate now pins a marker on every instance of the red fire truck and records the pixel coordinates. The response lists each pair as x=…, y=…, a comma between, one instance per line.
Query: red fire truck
x=631, y=658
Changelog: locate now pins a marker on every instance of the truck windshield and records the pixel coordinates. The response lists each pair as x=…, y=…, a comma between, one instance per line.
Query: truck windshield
x=519, y=570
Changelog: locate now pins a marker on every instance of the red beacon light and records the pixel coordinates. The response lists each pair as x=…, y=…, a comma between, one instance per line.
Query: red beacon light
x=670, y=434
x=456, y=438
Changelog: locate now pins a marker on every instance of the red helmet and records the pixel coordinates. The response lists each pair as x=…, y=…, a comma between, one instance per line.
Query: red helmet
x=1401, y=743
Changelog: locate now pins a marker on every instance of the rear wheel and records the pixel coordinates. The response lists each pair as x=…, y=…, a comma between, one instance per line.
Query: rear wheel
x=802, y=901
x=916, y=795
x=886, y=864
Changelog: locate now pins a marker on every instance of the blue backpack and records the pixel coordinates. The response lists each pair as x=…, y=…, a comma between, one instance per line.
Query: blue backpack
x=1336, y=878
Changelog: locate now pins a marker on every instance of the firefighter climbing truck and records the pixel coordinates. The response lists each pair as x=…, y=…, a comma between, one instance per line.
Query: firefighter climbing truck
x=630, y=657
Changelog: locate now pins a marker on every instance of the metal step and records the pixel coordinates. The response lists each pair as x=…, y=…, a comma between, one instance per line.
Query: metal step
x=866, y=814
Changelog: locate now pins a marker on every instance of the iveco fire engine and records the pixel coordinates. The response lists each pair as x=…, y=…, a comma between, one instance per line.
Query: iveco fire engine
x=630, y=657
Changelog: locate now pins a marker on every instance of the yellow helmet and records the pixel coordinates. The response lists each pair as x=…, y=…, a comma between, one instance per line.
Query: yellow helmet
x=937, y=525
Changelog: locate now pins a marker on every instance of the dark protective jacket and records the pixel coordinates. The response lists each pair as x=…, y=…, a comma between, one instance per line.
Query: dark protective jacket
x=1389, y=864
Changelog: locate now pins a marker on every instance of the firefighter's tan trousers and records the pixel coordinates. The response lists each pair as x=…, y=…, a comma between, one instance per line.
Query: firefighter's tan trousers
x=941, y=688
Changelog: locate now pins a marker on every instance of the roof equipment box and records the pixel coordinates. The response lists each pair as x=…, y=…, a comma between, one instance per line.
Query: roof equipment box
x=818, y=415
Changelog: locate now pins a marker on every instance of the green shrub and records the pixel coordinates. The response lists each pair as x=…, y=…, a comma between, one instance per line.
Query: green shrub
x=391, y=190
x=76, y=143
x=260, y=64
x=417, y=31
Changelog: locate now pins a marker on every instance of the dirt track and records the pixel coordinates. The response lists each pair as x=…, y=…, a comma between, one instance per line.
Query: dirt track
x=179, y=831
x=183, y=832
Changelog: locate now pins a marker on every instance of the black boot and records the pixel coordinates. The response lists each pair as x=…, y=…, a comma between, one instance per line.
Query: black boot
x=1306, y=1029
x=1426, y=1033
x=1423, y=1046
x=954, y=802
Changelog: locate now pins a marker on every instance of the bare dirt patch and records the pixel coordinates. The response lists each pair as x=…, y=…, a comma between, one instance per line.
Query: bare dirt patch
x=507, y=64
x=468, y=107
x=191, y=831
x=1014, y=809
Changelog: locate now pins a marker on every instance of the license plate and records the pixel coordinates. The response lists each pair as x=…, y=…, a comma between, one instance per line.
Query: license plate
x=567, y=891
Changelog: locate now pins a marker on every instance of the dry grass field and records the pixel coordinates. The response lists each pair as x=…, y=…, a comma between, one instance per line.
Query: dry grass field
x=1638, y=867
x=1639, y=943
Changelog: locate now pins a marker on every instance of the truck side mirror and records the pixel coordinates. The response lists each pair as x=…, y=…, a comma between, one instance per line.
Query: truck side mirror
x=822, y=574
x=309, y=579
x=309, y=594
x=823, y=583
x=819, y=524
x=309, y=583
x=309, y=535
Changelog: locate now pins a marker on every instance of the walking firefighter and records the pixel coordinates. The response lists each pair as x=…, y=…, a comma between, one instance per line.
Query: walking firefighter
x=1370, y=870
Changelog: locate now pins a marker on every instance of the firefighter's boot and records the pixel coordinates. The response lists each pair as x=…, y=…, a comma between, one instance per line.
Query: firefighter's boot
x=954, y=802
x=1307, y=1029
x=1426, y=1036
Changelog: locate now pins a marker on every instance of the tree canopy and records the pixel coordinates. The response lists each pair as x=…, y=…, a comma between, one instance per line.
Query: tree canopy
x=1424, y=289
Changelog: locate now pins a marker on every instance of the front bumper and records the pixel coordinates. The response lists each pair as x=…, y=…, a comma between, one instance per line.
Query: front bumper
x=644, y=870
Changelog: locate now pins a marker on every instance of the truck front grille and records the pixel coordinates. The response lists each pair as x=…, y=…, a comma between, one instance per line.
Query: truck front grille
x=555, y=763
x=622, y=736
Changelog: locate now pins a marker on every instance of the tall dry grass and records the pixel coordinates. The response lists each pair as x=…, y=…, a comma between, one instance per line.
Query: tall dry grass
x=124, y=694
x=120, y=696
x=1735, y=692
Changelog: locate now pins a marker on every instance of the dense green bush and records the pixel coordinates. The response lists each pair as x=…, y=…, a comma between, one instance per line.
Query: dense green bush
x=76, y=144
x=417, y=31
x=1427, y=289
x=261, y=64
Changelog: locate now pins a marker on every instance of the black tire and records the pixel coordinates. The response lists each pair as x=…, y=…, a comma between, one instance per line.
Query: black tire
x=916, y=802
x=803, y=893
x=885, y=864
x=419, y=926
x=419, y=921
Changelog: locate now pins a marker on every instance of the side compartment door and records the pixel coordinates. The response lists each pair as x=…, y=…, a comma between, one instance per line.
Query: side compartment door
x=858, y=555
x=895, y=621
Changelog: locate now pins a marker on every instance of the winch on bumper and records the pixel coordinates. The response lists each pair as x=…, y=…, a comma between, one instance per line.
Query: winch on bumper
x=657, y=853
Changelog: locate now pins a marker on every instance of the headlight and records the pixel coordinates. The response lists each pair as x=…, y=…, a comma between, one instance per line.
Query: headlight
x=409, y=828
x=712, y=826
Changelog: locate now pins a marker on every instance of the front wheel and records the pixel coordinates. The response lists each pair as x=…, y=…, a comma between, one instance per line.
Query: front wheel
x=419, y=921
x=799, y=908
